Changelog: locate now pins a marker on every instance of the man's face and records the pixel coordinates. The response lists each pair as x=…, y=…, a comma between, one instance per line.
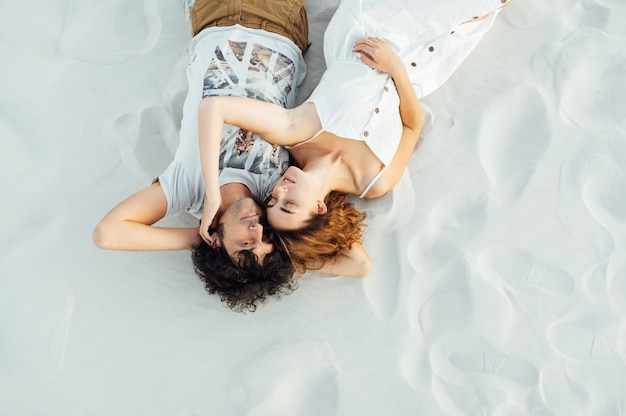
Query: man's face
x=243, y=231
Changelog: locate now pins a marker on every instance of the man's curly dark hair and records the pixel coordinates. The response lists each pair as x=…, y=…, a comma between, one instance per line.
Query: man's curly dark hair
x=243, y=285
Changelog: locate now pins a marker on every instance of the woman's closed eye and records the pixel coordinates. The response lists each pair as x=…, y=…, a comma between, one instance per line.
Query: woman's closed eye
x=273, y=201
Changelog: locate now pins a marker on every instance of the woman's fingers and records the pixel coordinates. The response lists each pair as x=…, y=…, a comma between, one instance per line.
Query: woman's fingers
x=204, y=234
x=209, y=235
x=377, y=54
x=367, y=43
x=365, y=52
x=370, y=49
x=209, y=213
x=366, y=57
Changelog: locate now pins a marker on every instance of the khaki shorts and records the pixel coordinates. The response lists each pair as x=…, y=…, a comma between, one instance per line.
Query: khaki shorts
x=284, y=17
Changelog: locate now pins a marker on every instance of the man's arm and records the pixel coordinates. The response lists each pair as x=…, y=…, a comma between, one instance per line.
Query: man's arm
x=128, y=226
x=351, y=263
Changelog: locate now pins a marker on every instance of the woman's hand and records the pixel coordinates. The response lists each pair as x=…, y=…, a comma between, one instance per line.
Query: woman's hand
x=211, y=208
x=378, y=55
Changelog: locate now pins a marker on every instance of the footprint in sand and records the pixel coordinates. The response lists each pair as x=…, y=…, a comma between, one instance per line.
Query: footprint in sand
x=588, y=338
x=458, y=400
x=413, y=362
x=497, y=367
x=429, y=254
x=613, y=13
x=594, y=281
x=606, y=280
x=143, y=140
x=605, y=198
x=287, y=377
x=593, y=88
x=109, y=32
x=461, y=216
x=444, y=313
x=469, y=375
x=519, y=268
x=36, y=307
x=562, y=392
x=514, y=134
x=616, y=279
x=598, y=176
x=452, y=222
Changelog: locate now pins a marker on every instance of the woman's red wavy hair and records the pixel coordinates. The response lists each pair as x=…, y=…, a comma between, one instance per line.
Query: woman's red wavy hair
x=324, y=236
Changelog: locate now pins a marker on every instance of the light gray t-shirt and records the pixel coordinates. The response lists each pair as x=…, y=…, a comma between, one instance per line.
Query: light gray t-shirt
x=233, y=61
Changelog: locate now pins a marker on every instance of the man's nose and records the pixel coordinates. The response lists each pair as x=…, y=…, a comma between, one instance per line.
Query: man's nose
x=255, y=228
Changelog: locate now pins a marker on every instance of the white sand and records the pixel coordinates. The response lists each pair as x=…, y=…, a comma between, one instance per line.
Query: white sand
x=499, y=278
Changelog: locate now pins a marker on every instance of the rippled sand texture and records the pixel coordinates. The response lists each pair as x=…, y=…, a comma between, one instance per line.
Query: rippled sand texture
x=499, y=261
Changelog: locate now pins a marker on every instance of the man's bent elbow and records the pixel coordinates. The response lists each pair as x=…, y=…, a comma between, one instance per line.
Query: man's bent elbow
x=101, y=236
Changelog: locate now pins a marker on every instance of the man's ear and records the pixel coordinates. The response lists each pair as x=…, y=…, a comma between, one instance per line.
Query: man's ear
x=321, y=208
x=217, y=242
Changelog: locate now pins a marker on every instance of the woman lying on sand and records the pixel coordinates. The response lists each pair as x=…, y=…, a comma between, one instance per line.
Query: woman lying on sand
x=356, y=132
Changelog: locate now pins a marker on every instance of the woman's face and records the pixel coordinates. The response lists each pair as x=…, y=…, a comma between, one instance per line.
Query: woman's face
x=293, y=201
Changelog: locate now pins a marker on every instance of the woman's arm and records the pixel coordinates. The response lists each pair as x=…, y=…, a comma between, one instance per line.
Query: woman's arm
x=275, y=124
x=377, y=54
x=410, y=111
x=352, y=263
x=128, y=226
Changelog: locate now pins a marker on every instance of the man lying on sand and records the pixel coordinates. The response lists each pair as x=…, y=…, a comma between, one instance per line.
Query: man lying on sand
x=237, y=259
x=230, y=55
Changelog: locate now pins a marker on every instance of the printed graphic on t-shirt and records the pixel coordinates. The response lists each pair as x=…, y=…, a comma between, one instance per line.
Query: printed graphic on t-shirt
x=249, y=70
x=242, y=149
